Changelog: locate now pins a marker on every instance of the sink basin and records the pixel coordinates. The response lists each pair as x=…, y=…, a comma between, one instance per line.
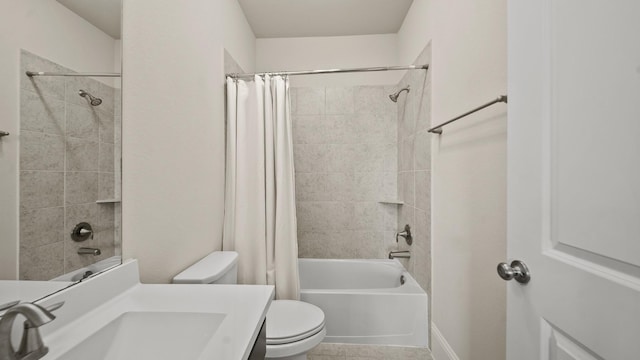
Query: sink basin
x=114, y=316
x=149, y=335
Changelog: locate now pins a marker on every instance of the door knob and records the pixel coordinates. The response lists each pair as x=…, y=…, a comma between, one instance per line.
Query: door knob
x=517, y=270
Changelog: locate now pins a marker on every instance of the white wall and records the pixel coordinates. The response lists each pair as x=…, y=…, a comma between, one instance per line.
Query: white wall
x=47, y=29
x=117, y=62
x=173, y=134
x=174, y=130
x=311, y=53
x=415, y=29
x=239, y=39
x=469, y=171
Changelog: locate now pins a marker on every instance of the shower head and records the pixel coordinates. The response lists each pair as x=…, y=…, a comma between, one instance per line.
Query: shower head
x=394, y=97
x=94, y=100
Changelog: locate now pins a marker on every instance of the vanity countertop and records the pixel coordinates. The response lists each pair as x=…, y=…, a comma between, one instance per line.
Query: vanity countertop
x=241, y=310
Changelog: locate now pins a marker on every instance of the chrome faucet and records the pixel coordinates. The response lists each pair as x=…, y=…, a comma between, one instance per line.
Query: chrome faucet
x=31, y=345
x=89, y=251
x=404, y=254
x=406, y=234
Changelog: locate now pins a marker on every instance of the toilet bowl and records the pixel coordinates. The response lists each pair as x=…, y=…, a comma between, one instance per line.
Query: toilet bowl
x=293, y=327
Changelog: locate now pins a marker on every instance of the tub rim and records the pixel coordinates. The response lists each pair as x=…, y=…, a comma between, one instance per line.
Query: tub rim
x=410, y=287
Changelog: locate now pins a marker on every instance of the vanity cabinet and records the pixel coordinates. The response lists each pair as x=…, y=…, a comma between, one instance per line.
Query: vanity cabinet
x=259, y=350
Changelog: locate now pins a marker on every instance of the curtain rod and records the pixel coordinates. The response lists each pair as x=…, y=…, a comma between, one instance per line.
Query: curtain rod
x=333, y=71
x=44, y=73
x=438, y=129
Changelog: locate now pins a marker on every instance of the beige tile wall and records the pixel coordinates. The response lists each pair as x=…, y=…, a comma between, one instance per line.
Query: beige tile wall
x=68, y=160
x=117, y=160
x=345, y=164
x=414, y=170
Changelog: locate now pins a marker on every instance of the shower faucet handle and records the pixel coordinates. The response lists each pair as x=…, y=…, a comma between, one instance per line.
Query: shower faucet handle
x=406, y=234
x=82, y=231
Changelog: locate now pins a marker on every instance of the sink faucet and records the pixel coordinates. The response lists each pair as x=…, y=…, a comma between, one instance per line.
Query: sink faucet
x=31, y=345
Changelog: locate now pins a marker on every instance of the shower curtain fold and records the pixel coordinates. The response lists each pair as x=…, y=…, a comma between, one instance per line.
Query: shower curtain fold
x=260, y=209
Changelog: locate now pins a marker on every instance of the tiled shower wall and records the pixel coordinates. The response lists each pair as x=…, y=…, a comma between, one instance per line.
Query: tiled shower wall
x=414, y=168
x=69, y=153
x=345, y=163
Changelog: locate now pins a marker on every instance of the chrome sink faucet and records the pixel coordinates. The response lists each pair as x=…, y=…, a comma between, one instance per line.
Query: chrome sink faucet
x=31, y=345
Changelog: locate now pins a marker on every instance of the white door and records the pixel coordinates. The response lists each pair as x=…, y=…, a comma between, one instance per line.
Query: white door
x=574, y=179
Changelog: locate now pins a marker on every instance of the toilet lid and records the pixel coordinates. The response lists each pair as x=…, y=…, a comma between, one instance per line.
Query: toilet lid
x=289, y=321
x=209, y=269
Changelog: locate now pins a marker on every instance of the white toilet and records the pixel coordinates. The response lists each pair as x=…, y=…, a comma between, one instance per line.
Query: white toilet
x=293, y=327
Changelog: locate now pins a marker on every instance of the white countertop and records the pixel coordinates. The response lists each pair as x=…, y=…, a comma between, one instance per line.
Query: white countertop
x=244, y=306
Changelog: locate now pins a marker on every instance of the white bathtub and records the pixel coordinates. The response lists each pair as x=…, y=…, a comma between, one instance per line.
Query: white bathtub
x=364, y=301
x=89, y=270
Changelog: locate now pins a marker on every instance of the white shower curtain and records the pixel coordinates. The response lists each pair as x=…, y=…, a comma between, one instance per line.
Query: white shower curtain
x=260, y=207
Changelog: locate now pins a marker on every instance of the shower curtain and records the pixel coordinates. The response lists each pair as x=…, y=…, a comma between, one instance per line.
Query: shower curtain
x=260, y=208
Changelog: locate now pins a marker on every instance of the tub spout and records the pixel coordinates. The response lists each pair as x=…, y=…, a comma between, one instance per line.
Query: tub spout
x=399, y=254
x=89, y=251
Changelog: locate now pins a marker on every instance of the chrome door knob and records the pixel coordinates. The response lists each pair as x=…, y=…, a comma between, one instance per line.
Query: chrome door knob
x=517, y=270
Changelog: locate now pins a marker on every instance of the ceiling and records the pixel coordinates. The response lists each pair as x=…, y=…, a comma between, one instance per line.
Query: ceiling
x=279, y=18
x=103, y=14
x=304, y=18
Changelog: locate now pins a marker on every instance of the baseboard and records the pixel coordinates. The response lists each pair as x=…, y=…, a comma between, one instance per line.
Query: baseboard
x=440, y=348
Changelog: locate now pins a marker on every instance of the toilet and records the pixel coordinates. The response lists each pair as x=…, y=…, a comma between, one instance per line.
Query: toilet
x=293, y=327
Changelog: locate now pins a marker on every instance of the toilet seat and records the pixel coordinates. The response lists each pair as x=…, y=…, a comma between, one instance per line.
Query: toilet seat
x=295, y=338
x=293, y=328
x=295, y=348
x=289, y=321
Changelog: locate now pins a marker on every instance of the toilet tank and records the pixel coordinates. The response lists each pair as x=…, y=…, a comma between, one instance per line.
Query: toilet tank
x=219, y=267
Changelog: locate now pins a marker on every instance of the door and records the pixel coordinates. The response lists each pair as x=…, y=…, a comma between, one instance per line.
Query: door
x=574, y=179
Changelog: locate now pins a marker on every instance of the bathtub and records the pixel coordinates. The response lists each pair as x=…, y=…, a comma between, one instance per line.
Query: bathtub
x=89, y=270
x=366, y=301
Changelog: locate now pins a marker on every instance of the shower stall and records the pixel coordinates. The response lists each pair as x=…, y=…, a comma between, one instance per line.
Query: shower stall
x=357, y=183
x=70, y=156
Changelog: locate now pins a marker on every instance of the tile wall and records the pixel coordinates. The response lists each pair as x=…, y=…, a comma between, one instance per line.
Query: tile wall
x=345, y=163
x=414, y=168
x=69, y=159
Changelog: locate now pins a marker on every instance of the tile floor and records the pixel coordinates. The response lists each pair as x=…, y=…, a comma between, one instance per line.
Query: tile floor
x=326, y=351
